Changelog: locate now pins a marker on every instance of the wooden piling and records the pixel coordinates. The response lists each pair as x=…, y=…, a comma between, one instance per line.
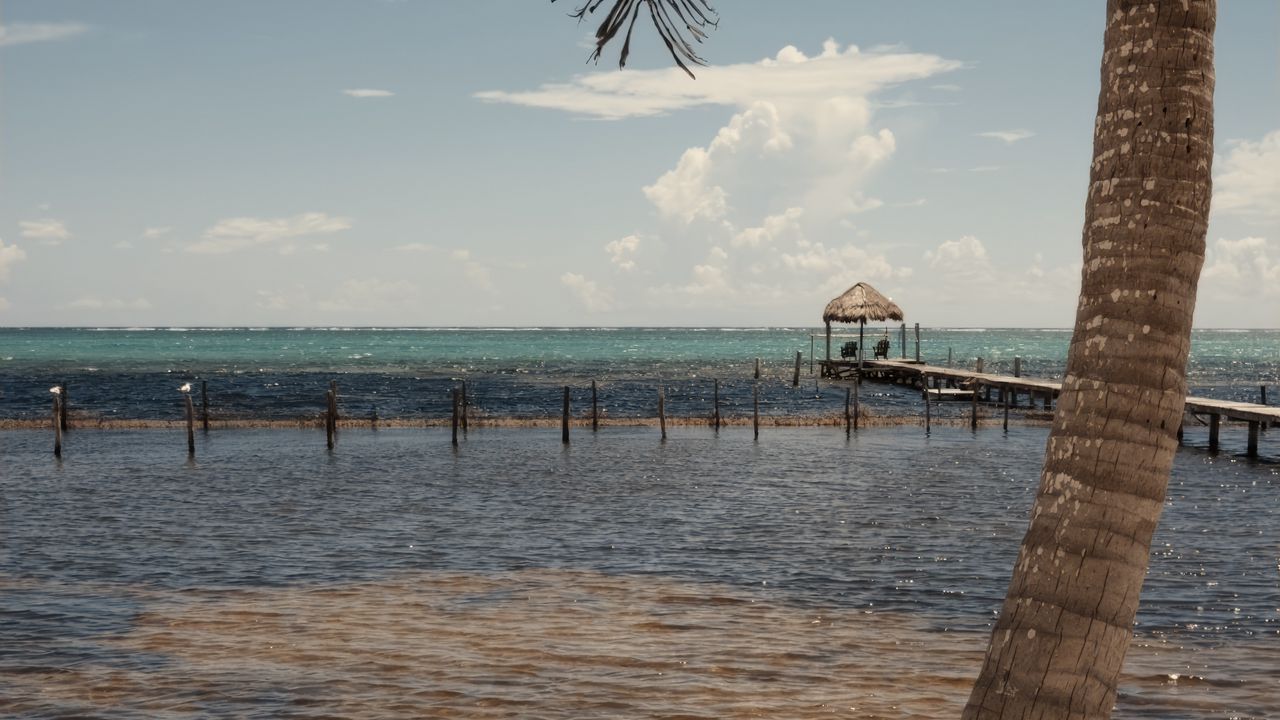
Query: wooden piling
x=456, y=403
x=1252, y=449
x=1005, y=397
x=191, y=426
x=927, y=411
x=715, y=400
x=755, y=410
x=795, y=379
x=204, y=405
x=973, y=405
x=857, y=410
x=662, y=411
x=978, y=365
x=1262, y=391
x=917, y=342
x=848, y=417
x=328, y=419
x=757, y=368
x=595, y=408
x=564, y=418
x=902, y=336
x=1017, y=366
x=1215, y=420
x=948, y=357
x=57, y=426
x=64, y=398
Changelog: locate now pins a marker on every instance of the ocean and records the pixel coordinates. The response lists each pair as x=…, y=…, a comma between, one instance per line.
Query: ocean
x=806, y=574
x=283, y=373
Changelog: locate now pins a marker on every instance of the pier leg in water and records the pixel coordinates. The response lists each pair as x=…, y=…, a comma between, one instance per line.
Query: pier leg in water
x=973, y=406
x=328, y=419
x=1215, y=420
x=1252, y=449
x=926, y=404
x=917, y=342
x=1005, y=397
x=595, y=408
x=191, y=427
x=204, y=405
x=795, y=379
x=64, y=398
x=757, y=368
x=564, y=418
x=463, y=409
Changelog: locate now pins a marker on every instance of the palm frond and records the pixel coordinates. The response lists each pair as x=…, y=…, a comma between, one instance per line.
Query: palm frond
x=680, y=24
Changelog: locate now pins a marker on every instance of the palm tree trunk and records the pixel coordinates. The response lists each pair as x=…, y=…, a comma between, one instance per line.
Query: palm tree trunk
x=1060, y=641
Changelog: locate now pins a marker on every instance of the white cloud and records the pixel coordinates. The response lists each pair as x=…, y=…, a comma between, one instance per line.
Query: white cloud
x=4, y=304
x=946, y=87
x=153, y=233
x=367, y=93
x=124, y=245
x=774, y=227
x=47, y=231
x=234, y=234
x=622, y=253
x=1008, y=136
x=984, y=168
x=965, y=260
x=9, y=256
x=1247, y=181
x=1241, y=268
x=593, y=297
x=22, y=33
x=788, y=76
x=476, y=272
x=91, y=302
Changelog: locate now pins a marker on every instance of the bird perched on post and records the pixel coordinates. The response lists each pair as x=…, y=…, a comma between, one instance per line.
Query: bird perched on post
x=186, y=388
x=56, y=390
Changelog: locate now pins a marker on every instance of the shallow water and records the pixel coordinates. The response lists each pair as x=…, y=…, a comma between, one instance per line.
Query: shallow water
x=707, y=576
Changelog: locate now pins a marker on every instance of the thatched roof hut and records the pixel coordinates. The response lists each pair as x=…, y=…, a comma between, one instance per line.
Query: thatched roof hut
x=859, y=304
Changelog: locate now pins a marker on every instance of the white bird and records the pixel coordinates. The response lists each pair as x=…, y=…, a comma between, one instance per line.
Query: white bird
x=56, y=390
x=186, y=388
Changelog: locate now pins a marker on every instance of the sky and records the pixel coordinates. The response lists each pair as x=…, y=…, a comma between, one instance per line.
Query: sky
x=430, y=163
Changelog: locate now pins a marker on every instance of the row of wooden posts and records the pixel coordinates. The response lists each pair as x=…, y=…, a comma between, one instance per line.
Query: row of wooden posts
x=460, y=404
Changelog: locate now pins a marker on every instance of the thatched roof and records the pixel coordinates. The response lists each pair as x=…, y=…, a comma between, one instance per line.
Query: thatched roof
x=861, y=303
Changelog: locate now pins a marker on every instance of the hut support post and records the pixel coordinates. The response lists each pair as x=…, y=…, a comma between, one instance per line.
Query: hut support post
x=1215, y=420
x=828, y=341
x=903, y=337
x=810, y=354
x=917, y=342
x=861, y=350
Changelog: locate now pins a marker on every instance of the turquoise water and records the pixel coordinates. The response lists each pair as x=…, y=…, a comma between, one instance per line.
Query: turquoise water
x=409, y=372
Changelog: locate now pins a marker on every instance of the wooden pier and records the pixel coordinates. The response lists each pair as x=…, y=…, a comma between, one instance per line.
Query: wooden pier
x=958, y=383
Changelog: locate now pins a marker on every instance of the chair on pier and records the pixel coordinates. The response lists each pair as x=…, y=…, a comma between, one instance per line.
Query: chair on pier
x=849, y=349
x=882, y=349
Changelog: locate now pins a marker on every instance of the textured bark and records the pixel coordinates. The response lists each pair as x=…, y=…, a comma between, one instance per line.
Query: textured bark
x=1060, y=642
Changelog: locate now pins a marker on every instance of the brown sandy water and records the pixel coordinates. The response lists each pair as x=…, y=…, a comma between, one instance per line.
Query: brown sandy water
x=555, y=644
